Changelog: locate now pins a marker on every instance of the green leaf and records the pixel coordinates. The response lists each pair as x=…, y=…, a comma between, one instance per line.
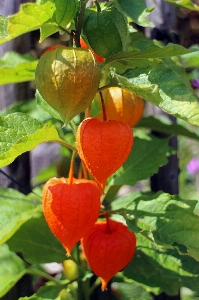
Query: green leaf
x=162, y=87
x=46, y=31
x=132, y=291
x=185, y=3
x=168, y=221
x=28, y=107
x=21, y=133
x=15, y=210
x=12, y=269
x=162, y=270
x=136, y=10
x=47, y=292
x=45, y=106
x=37, y=243
x=144, y=160
x=3, y=27
x=17, y=68
x=191, y=60
x=30, y=17
x=137, y=58
x=159, y=125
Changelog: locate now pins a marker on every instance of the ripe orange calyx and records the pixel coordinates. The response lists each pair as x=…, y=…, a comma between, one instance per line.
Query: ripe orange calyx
x=103, y=146
x=122, y=105
x=108, y=248
x=70, y=209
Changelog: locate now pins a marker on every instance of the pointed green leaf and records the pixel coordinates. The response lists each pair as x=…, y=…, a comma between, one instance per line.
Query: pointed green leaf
x=45, y=106
x=144, y=160
x=162, y=87
x=15, y=210
x=12, y=269
x=167, y=220
x=17, y=68
x=136, y=10
x=30, y=17
x=159, y=125
x=37, y=243
x=152, y=51
x=47, y=30
x=162, y=270
x=21, y=133
x=185, y=3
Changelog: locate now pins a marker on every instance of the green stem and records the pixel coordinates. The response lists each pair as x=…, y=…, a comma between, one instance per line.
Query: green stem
x=98, y=6
x=80, y=21
x=73, y=126
x=43, y=274
x=64, y=144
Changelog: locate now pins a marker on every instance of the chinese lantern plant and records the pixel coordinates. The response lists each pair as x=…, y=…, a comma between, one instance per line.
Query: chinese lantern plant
x=122, y=105
x=108, y=247
x=71, y=207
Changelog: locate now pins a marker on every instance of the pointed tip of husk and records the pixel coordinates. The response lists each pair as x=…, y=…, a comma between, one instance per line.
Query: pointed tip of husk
x=101, y=186
x=104, y=284
x=67, y=252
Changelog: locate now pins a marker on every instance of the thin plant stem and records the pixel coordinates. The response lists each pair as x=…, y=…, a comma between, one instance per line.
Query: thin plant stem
x=98, y=6
x=71, y=171
x=108, y=223
x=88, y=112
x=80, y=21
x=64, y=144
x=40, y=273
x=103, y=107
x=73, y=126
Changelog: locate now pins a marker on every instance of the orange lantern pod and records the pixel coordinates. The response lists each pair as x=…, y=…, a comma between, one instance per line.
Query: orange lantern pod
x=70, y=208
x=122, y=105
x=108, y=248
x=103, y=146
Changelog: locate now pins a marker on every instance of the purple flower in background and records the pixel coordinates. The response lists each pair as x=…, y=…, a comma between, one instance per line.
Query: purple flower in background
x=193, y=165
x=195, y=83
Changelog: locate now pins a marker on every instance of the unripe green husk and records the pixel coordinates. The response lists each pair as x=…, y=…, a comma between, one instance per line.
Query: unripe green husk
x=105, y=31
x=68, y=79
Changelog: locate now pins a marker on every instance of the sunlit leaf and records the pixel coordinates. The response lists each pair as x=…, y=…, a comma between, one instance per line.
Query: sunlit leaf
x=136, y=10
x=21, y=133
x=12, y=269
x=30, y=17
x=17, y=68
x=162, y=87
x=185, y=3
x=15, y=210
x=167, y=220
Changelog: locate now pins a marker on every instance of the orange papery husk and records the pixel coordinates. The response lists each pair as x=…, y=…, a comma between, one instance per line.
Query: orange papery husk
x=70, y=209
x=103, y=146
x=108, y=249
